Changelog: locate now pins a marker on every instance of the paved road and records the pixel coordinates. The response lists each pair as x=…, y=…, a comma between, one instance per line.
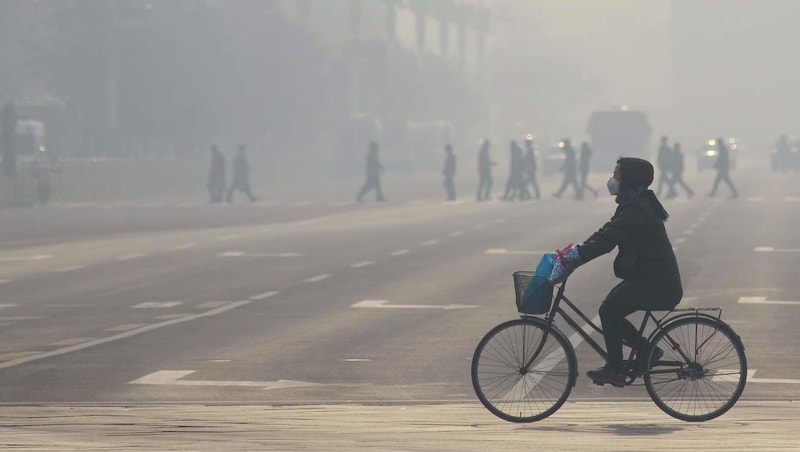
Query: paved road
x=328, y=302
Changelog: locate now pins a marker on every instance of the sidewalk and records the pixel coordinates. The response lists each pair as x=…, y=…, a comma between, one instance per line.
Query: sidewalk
x=578, y=426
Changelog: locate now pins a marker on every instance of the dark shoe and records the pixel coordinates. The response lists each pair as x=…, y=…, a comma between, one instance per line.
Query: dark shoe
x=608, y=375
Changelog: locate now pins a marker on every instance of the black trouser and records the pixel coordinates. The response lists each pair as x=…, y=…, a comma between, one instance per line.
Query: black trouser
x=484, y=186
x=371, y=183
x=570, y=179
x=243, y=186
x=677, y=179
x=723, y=176
x=663, y=178
x=585, y=186
x=450, y=187
x=623, y=300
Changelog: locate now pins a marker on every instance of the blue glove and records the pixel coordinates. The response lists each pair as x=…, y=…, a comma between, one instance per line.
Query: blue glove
x=567, y=260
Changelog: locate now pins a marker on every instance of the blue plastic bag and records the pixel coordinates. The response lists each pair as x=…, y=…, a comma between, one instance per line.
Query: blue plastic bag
x=539, y=293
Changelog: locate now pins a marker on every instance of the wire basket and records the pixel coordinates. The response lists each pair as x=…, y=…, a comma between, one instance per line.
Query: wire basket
x=534, y=293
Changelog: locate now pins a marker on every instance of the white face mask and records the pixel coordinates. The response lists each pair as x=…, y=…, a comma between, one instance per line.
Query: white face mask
x=613, y=186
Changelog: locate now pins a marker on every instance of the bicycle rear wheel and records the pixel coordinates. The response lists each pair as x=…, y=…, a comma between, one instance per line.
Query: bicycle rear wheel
x=523, y=395
x=703, y=370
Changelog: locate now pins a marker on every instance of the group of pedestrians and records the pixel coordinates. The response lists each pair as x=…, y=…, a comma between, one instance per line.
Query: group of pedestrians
x=241, y=176
x=576, y=170
x=522, y=173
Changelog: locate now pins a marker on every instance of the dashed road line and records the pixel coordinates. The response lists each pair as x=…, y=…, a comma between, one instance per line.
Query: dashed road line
x=264, y=295
x=456, y=233
x=430, y=242
x=124, y=335
x=71, y=341
x=184, y=246
x=362, y=264
x=229, y=237
x=130, y=257
x=124, y=327
x=156, y=305
x=318, y=278
x=400, y=252
x=478, y=227
x=680, y=240
x=71, y=268
x=3, y=281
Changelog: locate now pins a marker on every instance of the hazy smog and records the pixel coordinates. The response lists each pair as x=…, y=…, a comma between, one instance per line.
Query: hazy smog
x=324, y=202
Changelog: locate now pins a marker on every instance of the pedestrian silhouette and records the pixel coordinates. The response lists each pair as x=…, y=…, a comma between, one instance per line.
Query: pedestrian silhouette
x=663, y=162
x=8, y=123
x=514, y=184
x=216, y=175
x=241, y=176
x=782, y=153
x=570, y=170
x=529, y=163
x=374, y=168
x=584, y=165
x=723, y=166
x=677, y=165
x=449, y=173
x=485, y=165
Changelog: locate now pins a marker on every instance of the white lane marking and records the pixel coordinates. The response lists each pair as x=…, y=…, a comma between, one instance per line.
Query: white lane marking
x=172, y=377
x=71, y=341
x=124, y=335
x=7, y=305
x=763, y=300
x=456, y=233
x=35, y=257
x=71, y=268
x=701, y=219
x=430, y=242
x=130, y=257
x=500, y=220
x=478, y=227
x=300, y=203
x=76, y=305
x=792, y=199
x=770, y=249
x=356, y=360
x=264, y=295
x=229, y=237
x=383, y=304
x=531, y=379
x=220, y=360
x=318, y=278
x=362, y=264
x=694, y=225
x=416, y=202
x=755, y=198
x=520, y=252
x=680, y=240
x=732, y=375
x=23, y=317
x=340, y=203
x=124, y=327
x=400, y=252
x=243, y=254
x=156, y=305
x=211, y=304
x=689, y=231
x=184, y=246
x=3, y=281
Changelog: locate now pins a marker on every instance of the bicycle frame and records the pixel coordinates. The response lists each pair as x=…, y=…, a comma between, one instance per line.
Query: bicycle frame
x=557, y=310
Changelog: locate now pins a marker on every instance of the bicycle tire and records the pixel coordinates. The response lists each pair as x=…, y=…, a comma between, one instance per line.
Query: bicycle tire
x=518, y=396
x=710, y=382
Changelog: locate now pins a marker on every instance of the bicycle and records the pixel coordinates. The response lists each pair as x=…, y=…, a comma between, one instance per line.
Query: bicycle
x=523, y=370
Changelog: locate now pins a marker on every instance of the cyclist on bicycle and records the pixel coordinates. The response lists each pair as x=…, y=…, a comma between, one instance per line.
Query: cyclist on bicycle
x=646, y=263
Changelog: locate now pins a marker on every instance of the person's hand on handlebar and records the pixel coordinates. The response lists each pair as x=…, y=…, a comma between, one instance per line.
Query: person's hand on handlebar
x=567, y=260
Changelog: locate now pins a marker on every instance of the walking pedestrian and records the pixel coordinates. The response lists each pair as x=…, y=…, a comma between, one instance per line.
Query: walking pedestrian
x=216, y=175
x=374, y=168
x=677, y=170
x=723, y=166
x=241, y=176
x=449, y=173
x=485, y=165
x=663, y=160
x=570, y=170
x=514, y=184
x=529, y=162
x=585, y=166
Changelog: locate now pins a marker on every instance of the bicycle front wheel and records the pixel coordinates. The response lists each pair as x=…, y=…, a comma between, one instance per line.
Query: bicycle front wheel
x=510, y=390
x=702, y=372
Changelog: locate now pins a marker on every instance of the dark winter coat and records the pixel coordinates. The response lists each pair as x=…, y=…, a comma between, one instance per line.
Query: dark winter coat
x=645, y=252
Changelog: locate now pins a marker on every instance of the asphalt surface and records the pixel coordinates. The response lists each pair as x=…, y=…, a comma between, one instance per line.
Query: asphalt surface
x=307, y=302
